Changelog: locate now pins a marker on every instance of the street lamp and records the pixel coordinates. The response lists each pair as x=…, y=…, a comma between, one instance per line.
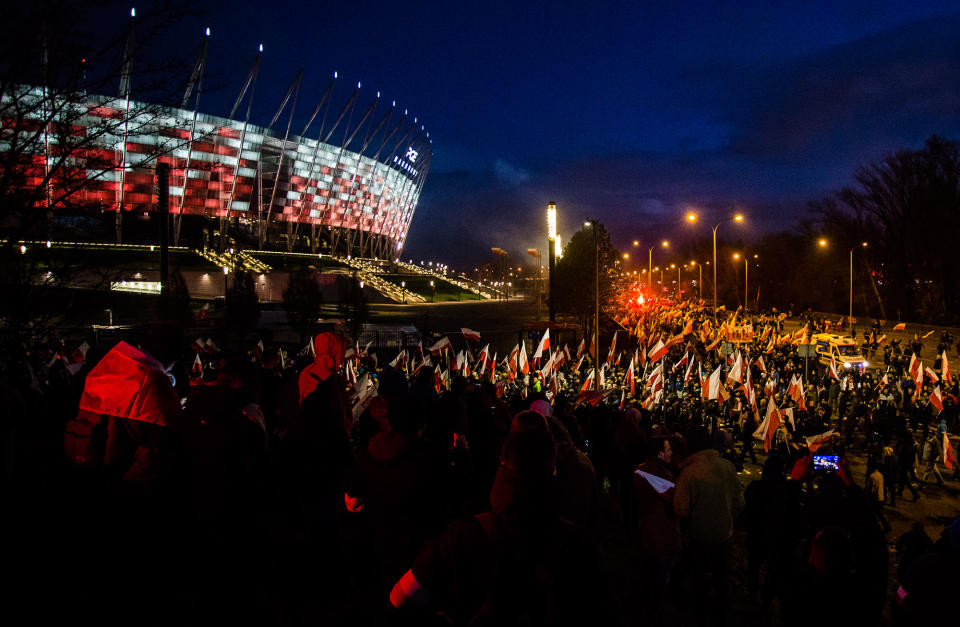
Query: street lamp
x=665, y=244
x=433, y=295
x=850, y=313
x=596, y=305
x=403, y=295
x=699, y=280
x=692, y=217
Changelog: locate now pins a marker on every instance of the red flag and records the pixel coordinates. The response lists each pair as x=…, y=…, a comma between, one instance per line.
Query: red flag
x=945, y=368
x=900, y=327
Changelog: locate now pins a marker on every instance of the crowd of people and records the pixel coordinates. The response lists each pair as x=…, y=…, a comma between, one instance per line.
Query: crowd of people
x=164, y=482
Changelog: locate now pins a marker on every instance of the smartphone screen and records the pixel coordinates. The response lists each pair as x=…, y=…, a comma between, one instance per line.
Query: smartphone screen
x=826, y=463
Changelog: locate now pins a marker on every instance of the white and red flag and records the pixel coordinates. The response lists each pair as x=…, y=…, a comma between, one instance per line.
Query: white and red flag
x=470, y=334
x=816, y=441
x=931, y=374
x=949, y=458
x=715, y=390
x=524, y=364
x=197, y=367
x=443, y=344
x=795, y=390
x=543, y=345
x=936, y=399
x=630, y=379
x=762, y=366
x=79, y=354
x=833, y=369
x=914, y=365
x=613, y=348
x=736, y=371
x=945, y=368
x=658, y=351
x=768, y=428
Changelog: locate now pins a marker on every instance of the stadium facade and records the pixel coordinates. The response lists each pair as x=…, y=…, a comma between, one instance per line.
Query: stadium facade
x=348, y=183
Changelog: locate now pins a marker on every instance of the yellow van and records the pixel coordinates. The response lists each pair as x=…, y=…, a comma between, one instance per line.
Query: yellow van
x=843, y=350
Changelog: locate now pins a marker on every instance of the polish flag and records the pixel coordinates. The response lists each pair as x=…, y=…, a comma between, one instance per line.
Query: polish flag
x=883, y=338
x=750, y=392
x=593, y=347
x=630, y=379
x=658, y=351
x=816, y=441
x=210, y=347
x=512, y=358
x=524, y=364
x=949, y=458
x=79, y=354
x=930, y=373
x=613, y=348
x=470, y=335
x=736, y=372
x=198, y=344
x=484, y=356
x=918, y=381
x=833, y=369
x=398, y=359
x=581, y=348
x=768, y=428
x=681, y=363
x=900, y=327
x=576, y=369
x=936, y=399
x=493, y=369
x=795, y=389
x=686, y=377
x=587, y=383
x=543, y=345
x=945, y=368
x=350, y=375
x=715, y=386
x=914, y=365
x=442, y=345
x=763, y=367
x=197, y=364
x=688, y=329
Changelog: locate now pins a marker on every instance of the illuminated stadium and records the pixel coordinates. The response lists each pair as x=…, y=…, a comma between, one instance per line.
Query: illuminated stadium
x=343, y=180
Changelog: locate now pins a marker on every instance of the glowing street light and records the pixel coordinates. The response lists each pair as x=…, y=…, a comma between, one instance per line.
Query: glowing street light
x=739, y=218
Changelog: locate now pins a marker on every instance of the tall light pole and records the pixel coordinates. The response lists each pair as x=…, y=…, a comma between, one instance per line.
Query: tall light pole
x=850, y=313
x=692, y=217
x=664, y=244
x=596, y=305
x=551, y=252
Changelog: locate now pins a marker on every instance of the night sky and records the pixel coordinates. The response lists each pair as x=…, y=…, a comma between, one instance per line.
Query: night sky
x=625, y=112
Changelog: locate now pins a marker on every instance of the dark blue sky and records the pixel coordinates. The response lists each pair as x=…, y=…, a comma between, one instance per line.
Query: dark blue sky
x=627, y=112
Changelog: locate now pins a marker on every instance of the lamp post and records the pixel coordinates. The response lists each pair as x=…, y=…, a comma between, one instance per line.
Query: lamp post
x=692, y=217
x=552, y=253
x=403, y=294
x=433, y=292
x=596, y=305
x=226, y=273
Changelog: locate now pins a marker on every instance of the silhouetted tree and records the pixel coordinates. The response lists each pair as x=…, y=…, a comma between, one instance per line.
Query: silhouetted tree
x=574, y=284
